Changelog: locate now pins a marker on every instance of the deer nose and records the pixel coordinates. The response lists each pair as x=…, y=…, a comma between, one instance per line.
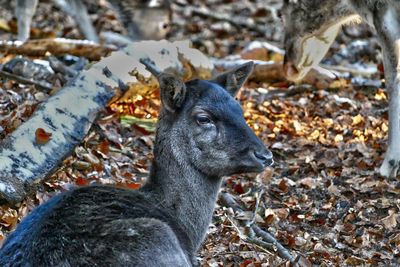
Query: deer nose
x=265, y=157
x=290, y=70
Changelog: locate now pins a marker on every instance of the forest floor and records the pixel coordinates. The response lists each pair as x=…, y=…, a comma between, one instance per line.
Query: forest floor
x=323, y=198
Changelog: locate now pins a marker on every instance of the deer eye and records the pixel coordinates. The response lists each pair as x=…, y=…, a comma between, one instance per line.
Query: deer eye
x=202, y=119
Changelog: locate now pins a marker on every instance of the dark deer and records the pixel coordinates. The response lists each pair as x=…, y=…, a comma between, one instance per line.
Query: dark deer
x=312, y=25
x=201, y=137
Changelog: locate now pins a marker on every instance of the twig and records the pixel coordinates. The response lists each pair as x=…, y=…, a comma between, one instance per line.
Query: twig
x=241, y=235
x=59, y=66
x=57, y=47
x=282, y=251
x=258, y=199
x=41, y=85
x=115, y=38
x=285, y=92
x=291, y=91
x=265, y=245
x=353, y=70
x=229, y=201
x=150, y=66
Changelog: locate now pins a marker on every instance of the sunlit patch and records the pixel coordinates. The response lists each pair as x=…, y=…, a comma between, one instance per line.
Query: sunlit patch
x=155, y=3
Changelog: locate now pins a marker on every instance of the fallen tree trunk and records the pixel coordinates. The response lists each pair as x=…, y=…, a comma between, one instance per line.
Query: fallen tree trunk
x=263, y=70
x=66, y=117
x=57, y=47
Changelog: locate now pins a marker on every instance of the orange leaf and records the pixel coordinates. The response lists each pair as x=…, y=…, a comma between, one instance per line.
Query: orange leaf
x=81, y=181
x=246, y=263
x=133, y=185
x=129, y=185
x=42, y=137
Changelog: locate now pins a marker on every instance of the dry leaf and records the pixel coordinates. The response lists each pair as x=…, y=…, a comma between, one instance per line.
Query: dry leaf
x=390, y=221
x=42, y=137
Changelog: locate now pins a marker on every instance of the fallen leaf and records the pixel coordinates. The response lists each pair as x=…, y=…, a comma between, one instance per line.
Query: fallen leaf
x=81, y=181
x=357, y=120
x=283, y=186
x=147, y=124
x=308, y=182
x=390, y=221
x=42, y=137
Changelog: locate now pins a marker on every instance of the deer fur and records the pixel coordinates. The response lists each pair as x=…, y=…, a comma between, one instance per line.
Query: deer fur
x=311, y=27
x=201, y=137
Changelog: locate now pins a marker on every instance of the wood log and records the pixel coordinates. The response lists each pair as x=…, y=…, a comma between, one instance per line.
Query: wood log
x=56, y=47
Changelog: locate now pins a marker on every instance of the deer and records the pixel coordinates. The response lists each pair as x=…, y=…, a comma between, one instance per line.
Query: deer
x=311, y=27
x=143, y=19
x=201, y=137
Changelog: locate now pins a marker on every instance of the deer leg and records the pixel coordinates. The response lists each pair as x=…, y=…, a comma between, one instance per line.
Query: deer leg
x=78, y=10
x=24, y=11
x=387, y=24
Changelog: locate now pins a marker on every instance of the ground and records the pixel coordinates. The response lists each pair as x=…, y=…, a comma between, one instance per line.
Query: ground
x=322, y=199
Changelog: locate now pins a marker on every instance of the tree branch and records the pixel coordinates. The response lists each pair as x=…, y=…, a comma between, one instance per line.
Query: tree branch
x=268, y=241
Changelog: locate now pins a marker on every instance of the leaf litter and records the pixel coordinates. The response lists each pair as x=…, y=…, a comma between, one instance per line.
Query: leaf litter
x=323, y=199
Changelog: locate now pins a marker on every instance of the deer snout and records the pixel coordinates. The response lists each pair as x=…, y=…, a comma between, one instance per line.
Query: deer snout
x=264, y=157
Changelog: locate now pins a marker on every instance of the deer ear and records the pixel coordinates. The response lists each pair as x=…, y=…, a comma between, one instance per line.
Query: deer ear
x=172, y=90
x=233, y=79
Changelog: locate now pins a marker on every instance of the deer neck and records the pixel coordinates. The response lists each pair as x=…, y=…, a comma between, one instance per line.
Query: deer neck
x=186, y=193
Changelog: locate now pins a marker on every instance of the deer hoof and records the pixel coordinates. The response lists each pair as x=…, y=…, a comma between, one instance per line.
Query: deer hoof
x=390, y=166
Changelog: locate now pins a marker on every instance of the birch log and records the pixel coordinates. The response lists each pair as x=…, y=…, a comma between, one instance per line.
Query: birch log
x=68, y=114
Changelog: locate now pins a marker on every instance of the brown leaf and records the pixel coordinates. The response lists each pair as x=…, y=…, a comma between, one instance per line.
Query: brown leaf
x=104, y=147
x=303, y=261
x=42, y=137
x=308, y=182
x=390, y=221
x=281, y=213
x=239, y=188
x=82, y=181
x=283, y=186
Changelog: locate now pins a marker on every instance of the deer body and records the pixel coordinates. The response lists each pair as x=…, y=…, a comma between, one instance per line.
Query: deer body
x=201, y=136
x=311, y=27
